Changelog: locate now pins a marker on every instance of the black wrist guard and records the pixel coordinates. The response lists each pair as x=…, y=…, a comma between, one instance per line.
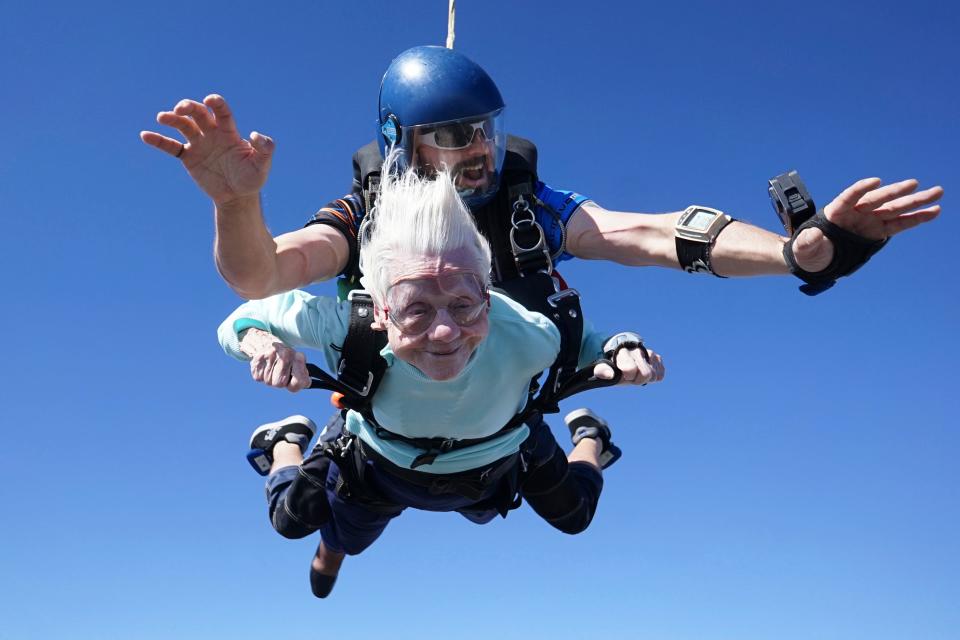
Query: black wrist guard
x=624, y=340
x=850, y=252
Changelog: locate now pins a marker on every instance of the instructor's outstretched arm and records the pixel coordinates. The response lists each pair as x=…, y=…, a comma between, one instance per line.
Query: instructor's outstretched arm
x=232, y=171
x=865, y=208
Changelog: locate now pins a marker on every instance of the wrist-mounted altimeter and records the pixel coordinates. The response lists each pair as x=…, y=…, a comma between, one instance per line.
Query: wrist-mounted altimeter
x=696, y=231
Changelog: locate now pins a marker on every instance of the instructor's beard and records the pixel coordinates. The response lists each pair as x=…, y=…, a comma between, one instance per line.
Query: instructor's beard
x=473, y=172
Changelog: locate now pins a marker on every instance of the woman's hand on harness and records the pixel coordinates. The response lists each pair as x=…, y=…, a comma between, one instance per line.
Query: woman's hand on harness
x=637, y=366
x=223, y=164
x=274, y=363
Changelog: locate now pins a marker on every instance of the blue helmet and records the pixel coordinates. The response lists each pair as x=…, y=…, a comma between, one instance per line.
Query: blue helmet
x=436, y=97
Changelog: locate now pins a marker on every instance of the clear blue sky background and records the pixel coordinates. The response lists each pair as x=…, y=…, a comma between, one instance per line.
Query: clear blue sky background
x=796, y=476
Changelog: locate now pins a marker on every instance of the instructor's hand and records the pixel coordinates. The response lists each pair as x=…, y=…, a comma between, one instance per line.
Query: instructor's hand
x=871, y=211
x=226, y=166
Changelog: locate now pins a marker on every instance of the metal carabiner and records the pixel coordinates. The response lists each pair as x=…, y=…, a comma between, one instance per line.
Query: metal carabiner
x=521, y=206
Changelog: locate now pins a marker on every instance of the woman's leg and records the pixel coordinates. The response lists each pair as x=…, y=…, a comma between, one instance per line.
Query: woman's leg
x=563, y=491
x=351, y=528
x=278, y=447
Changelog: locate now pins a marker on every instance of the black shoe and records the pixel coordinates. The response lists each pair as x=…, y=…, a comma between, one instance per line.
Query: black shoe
x=298, y=430
x=584, y=423
x=320, y=583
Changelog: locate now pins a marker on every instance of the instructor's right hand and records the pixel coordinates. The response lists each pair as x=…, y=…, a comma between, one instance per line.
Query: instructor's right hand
x=226, y=166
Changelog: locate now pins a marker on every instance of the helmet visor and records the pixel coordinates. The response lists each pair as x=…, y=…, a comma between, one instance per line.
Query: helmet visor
x=471, y=149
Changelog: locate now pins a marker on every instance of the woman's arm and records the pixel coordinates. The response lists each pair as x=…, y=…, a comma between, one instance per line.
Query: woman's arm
x=274, y=363
x=296, y=319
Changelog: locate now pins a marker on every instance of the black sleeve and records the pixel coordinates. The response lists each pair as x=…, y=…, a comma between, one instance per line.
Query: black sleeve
x=343, y=214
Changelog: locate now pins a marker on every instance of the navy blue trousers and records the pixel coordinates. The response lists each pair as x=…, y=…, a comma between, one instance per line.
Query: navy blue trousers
x=563, y=494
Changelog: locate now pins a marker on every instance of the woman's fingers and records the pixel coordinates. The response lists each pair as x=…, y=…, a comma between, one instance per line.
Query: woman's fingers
x=603, y=371
x=299, y=376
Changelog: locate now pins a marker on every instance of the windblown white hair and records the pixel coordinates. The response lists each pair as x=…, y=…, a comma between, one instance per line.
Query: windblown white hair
x=416, y=217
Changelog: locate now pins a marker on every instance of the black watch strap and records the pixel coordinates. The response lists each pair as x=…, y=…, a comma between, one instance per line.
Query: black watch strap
x=694, y=257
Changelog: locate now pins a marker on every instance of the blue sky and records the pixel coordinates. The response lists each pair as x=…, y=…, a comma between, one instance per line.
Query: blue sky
x=795, y=476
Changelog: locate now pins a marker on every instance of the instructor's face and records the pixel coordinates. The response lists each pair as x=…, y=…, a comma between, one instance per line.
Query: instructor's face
x=471, y=167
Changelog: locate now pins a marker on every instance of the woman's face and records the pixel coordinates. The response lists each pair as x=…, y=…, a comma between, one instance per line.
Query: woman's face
x=435, y=312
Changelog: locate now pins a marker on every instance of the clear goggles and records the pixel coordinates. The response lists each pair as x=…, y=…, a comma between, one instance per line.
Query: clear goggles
x=413, y=311
x=455, y=138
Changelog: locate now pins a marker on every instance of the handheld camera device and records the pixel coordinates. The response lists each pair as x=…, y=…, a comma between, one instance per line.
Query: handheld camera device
x=791, y=200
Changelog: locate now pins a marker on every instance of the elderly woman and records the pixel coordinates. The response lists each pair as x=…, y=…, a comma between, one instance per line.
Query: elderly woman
x=459, y=363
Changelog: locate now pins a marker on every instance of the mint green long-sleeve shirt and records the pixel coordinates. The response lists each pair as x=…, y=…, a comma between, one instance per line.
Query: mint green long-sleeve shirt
x=489, y=391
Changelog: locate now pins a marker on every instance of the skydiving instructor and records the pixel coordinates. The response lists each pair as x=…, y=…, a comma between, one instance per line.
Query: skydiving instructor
x=443, y=111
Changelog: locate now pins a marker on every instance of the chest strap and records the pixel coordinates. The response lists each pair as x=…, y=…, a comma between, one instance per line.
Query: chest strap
x=582, y=380
x=433, y=447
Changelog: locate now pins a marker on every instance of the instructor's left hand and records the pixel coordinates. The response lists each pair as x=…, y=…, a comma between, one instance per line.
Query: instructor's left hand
x=871, y=211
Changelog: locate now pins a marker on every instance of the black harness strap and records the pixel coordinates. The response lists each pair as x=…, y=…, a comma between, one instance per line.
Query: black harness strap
x=367, y=162
x=433, y=447
x=528, y=244
x=351, y=483
x=361, y=367
x=541, y=292
x=471, y=484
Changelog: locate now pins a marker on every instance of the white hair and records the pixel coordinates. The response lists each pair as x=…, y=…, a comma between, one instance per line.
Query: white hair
x=415, y=217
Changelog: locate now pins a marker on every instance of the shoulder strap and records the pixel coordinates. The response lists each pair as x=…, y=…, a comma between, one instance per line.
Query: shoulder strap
x=361, y=367
x=522, y=265
x=542, y=292
x=521, y=156
x=367, y=162
x=518, y=180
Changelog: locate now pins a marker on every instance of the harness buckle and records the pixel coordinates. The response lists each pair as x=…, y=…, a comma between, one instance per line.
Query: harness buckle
x=559, y=296
x=521, y=206
x=426, y=457
x=528, y=256
x=360, y=294
x=364, y=390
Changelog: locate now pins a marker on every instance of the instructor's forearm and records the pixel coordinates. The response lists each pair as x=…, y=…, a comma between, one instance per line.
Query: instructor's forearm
x=639, y=239
x=244, y=250
x=744, y=250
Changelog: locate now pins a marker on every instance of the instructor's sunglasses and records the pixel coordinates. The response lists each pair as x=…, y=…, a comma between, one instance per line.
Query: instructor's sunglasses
x=455, y=135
